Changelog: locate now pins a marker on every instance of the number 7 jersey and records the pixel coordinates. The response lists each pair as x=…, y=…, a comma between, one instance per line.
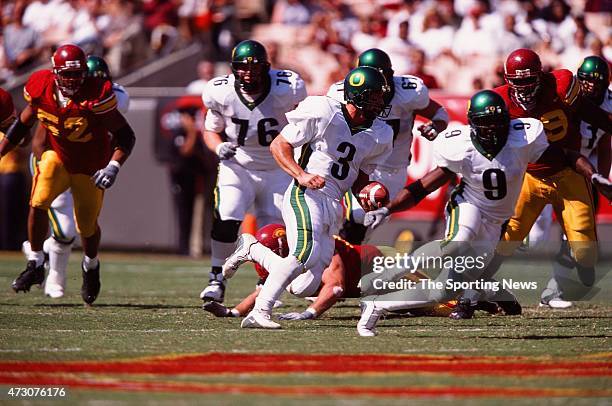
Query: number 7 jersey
x=252, y=125
x=490, y=183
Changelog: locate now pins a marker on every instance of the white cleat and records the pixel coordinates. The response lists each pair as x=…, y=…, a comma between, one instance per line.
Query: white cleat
x=259, y=319
x=55, y=284
x=557, y=303
x=366, y=327
x=240, y=255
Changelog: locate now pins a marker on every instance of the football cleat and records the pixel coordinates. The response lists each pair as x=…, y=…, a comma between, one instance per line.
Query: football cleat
x=33, y=275
x=55, y=284
x=91, y=283
x=215, y=291
x=240, y=255
x=464, y=310
x=366, y=327
x=556, y=303
x=510, y=307
x=259, y=319
x=489, y=307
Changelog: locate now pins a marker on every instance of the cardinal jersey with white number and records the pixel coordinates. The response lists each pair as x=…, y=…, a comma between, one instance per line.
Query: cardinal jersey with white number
x=591, y=135
x=492, y=185
x=410, y=94
x=252, y=125
x=328, y=148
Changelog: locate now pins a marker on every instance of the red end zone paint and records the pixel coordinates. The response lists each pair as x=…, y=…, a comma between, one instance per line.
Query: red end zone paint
x=232, y=363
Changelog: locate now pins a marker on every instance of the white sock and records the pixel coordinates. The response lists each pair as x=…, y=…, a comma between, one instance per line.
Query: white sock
x=90, y=263
x=37, y=256
x=282, y=272
x=220, y=251
x=58, y=255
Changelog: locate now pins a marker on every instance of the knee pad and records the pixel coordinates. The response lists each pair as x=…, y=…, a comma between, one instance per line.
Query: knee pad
x=352, y=232
x=225, y=230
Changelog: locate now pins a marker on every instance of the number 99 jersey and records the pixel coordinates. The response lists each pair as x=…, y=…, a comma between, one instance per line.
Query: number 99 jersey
x=76, y=132
x=492, y=185
x=252, y=124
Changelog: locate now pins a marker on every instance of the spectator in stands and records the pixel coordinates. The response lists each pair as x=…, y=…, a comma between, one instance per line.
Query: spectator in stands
x=398, y=48
x=160, y=23
x=366, y=37
x=436, y=37
x=206, y=71
x=574, y=54
x=508, y=38
x=417, y=64
x=291, y=12
x=21, y=43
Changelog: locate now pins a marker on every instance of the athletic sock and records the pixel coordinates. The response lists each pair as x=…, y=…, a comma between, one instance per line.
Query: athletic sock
x=90, y=263
x=220, y=251
x=282, y=272
x=37, y=256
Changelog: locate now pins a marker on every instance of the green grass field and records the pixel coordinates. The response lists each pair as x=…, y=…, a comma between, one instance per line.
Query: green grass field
x=149, y=306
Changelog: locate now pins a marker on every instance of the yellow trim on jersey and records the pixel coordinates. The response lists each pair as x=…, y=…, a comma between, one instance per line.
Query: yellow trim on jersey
x=27, y=96
x=105, y=106
x=572, y=93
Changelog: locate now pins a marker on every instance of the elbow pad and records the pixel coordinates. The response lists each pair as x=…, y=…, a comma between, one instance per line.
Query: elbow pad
x=125, y=139
x=17, y=132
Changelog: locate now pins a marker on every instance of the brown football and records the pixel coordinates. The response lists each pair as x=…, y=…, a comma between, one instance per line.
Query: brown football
x=375, y=192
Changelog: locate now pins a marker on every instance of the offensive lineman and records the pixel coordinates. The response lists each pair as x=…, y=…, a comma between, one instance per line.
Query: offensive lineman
x=341, y=144
x=408, y=97
x=249, y=107
x=61, y=213
x=491, y=155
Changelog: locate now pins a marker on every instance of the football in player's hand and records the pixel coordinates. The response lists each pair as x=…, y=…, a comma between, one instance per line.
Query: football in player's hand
x=373, y=195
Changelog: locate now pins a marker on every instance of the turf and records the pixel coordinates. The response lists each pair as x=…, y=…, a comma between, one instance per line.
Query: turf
x=149, y=306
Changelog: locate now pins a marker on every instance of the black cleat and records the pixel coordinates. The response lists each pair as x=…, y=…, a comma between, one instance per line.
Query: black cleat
x=33, y=275
x=464, y=310
x=510, y=307
x=91, y=284
x=489, y=307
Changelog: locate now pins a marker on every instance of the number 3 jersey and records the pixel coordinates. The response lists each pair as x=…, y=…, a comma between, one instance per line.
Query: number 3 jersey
x=409, y=94
x=77, y=132
x=329, y=148
x=493, y=185
x=252, y=125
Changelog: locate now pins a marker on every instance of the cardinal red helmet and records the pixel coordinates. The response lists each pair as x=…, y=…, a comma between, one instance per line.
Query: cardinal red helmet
x=273, y=236
x=522, y=71
x=70, y=67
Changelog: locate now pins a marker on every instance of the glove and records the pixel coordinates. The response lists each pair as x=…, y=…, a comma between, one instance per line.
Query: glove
x=603, y=185
x=375, y=217
x=226, y=150
x=305, y=315
x=428, y=131
x=104, y=178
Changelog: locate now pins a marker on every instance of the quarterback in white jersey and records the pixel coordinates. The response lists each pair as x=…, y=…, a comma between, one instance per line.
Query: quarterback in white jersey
x=491, y=156
x=61, y=213
x=249, y=108
x=339, y=145
x=408, y=97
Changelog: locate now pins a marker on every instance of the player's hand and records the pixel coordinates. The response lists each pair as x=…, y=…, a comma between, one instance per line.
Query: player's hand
x=367, y=205
x=603, y=185
x=375, y=217
x=104, y=178
x=305, y=315
x=311, y=181
x=217, y=309
x=226, y=150
x=428, y=130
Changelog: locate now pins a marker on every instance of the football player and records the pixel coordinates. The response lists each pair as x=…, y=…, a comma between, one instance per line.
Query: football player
x=249, y=107
x=77, y=112
x=341, y=144
x=594, y=78
x=408, y=97
x=491, y=155
x=61, y=213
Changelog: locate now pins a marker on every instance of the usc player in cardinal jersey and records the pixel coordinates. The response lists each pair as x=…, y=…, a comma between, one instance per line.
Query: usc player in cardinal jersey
x=77, y=113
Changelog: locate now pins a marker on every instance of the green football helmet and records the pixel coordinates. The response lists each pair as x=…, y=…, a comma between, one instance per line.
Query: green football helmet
x=594, y=77
x=377, y=58
x=97, y=67
x=366, y=88
x=489, y=120
x=250, y=66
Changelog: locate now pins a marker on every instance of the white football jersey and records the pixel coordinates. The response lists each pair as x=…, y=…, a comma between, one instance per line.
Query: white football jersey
x=493, y=185
x=123, y=98
x=410, y=94
x=252, y=125
x=591, y=136
x=329, y=149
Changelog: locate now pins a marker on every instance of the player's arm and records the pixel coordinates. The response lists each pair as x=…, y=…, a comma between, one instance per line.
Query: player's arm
x=584, y=167
x=410, y=195
x=39, y=141
x=18, y=130
x=282, y=151
x=214, y=124
x=604, y=152
x=438, y=117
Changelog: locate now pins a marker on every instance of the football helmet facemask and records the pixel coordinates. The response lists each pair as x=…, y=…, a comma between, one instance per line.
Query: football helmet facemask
x=250, y=66
x=273, y=236
x=489, y=120
x=594, y=77
x=523, y=72
x=70, y=67
x=366, y=88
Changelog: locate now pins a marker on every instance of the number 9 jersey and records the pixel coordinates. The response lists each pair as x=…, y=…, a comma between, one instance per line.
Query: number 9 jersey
x=77, y=131
x=252, y=124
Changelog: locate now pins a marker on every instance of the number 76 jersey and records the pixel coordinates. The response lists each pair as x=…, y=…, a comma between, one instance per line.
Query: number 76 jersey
x=252, y=124
x=491, y=183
